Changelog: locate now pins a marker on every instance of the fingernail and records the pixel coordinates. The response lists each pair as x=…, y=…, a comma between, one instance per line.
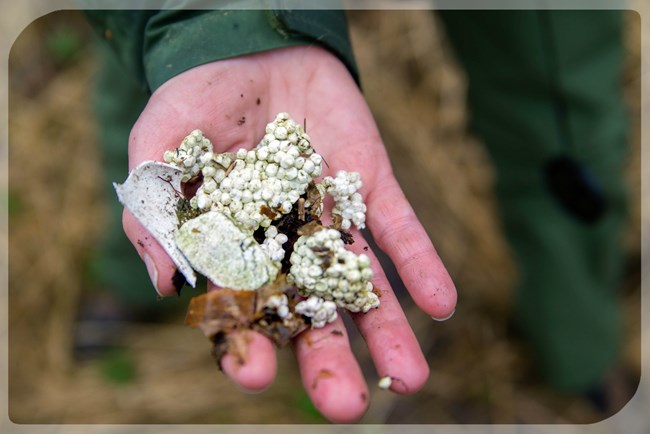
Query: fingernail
x=250, y=391
x=153, y=272
x=445, y=318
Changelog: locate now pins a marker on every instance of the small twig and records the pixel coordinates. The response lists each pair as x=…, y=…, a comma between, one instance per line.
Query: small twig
x=230, y=168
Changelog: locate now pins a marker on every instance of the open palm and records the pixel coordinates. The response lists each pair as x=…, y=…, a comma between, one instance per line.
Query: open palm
x=231, y=101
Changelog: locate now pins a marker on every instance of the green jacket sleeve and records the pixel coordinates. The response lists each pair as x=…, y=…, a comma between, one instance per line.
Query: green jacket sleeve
x=156, y=45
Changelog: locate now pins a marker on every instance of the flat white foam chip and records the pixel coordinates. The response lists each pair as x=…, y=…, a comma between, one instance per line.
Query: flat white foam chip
x=150, y=193
x=226, y=254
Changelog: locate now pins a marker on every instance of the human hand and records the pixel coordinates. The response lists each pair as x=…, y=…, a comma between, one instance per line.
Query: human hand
x=231, y=101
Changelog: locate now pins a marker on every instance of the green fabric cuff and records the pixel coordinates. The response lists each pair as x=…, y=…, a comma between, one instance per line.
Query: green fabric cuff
x=158, y=45
x=123, y=32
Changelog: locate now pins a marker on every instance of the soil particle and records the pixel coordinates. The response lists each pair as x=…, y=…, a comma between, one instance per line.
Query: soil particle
x=322, y=374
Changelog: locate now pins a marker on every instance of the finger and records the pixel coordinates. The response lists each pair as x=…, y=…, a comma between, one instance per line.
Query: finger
x=160, y=267
x=391, y=342
x=393, y=346
x=398, y=232
x=331, y=374
x=256, y=370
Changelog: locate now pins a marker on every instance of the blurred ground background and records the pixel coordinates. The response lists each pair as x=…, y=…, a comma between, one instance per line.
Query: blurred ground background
x=481, y=372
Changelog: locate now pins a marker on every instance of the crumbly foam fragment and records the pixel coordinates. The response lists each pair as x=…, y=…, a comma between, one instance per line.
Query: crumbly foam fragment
x=322, y=266
x=271, y=176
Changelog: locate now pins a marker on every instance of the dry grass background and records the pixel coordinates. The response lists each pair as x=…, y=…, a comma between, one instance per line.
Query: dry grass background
x=480, y=374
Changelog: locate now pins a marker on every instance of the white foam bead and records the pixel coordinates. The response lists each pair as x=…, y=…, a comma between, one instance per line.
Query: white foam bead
x=226, y=184
x=260, y=166
x=203, y=201
x=271, y=170
x=254, y=184
x=248, y=207
x=354, y=276
x=189, y=161
x=363, y=260
x=333, y=272
x=273, y=146
x=293, y=196
x=287, y=161
x=209, y=186
x=238, y=183
x=262, y=153
x=246, y=196
x=271, y=232
x=316, y=159
x=235, y=206
x=276, y=185
x=294, y=152
x=285, y=145
x=267, y=193
x=246, y=174
x=216, y=195
x=280, y=133
x=302, y=176
x=208, y=171
x=275, y=201
x=309, y=167
x=285, y=207
x=219, y=175
x=241, y=216
x=235, y=194
x=205, y=158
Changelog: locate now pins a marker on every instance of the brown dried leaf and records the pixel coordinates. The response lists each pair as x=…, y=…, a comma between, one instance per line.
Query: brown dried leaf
x=310, y=228
x=222, y=312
